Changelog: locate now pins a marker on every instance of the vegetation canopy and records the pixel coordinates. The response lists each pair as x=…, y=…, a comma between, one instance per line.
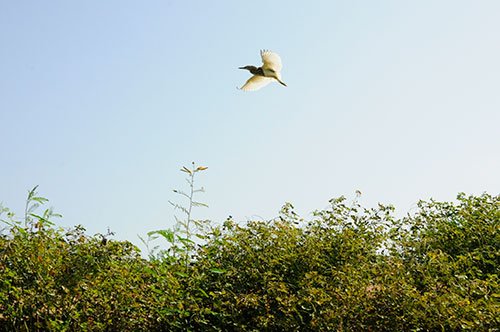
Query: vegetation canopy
x=349, y=268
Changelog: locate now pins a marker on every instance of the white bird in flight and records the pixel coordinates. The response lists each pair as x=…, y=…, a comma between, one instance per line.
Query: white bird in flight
x=262, y=76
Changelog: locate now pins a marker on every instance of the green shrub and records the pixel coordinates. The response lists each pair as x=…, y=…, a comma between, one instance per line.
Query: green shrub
x=347, y=269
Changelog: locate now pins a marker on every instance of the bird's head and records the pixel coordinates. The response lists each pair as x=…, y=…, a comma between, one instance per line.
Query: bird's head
x=252, y=69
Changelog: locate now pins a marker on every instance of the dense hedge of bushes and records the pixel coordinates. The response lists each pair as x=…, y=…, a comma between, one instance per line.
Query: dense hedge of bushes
x=347, y=269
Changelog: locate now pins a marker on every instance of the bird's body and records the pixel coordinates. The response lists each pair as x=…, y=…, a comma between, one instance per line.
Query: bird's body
x=262, y=76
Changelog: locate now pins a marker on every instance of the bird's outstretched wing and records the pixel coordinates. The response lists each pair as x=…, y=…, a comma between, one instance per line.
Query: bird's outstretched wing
x=255, y=83
x=271, y=60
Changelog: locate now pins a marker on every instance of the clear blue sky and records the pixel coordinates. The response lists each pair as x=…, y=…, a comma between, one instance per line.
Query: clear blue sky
x=101, y=103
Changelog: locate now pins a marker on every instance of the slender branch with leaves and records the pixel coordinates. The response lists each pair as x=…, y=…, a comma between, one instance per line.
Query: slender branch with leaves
x=180, y=237
x=31, y=220
x=188, y=225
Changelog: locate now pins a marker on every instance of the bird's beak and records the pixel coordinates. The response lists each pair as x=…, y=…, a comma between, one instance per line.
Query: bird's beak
x=241, y=68
x=283, y=83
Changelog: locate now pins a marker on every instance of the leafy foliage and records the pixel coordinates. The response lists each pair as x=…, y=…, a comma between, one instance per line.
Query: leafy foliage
x=349, y=268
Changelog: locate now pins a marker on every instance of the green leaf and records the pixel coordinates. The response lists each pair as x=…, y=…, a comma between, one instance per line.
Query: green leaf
x=199, y=204
x=45, y=221
x=218, y=271
x=185, y=240
x=186, y=170
x=40, y=200
x=203, y=292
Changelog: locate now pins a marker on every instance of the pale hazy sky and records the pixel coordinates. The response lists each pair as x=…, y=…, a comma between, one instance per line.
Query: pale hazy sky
x=101, y=103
